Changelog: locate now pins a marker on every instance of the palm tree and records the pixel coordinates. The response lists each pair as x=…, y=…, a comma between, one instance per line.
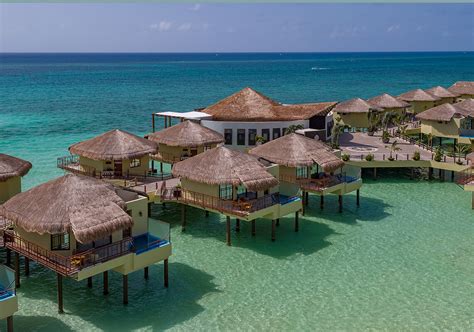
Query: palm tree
x=336, y=132
x=293, y=128
x=462, y=149
x=374, y=122
x=393, y=148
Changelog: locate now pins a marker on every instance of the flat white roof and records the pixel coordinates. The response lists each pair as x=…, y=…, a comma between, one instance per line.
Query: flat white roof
x=193, y=115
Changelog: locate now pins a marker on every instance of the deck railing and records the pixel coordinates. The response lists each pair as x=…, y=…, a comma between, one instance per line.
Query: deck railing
x=466, y=177
x=239, y=207
x=168, y=158
x=318, y=184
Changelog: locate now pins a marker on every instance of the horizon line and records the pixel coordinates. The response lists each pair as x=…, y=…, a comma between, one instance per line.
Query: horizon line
x=237, y=52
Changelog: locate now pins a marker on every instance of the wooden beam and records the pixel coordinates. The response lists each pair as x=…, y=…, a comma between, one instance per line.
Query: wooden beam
x=145, y=272
x=10, y=324
x=296, y=222
x=125, y=288
x=165, y=272
x=254, y=230
x=237, y=225
x=27, y=266
x=228, y=231
x=106, y=282
x=60, y=293
x=273, y=230
x=17, y=270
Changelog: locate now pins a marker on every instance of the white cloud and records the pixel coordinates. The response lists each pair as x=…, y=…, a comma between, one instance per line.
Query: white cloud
x=184, y=27
x=153, y=26
x=196, y=7
x=393, y=28
x=347, y=32
x=164, y=26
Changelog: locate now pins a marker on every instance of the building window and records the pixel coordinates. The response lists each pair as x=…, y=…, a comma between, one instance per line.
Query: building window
x=276, y=133
x=228, y=136
x=194, y=152
x=240, y=136
x=302, y=172
x=225, y=191
x=252, y=136
x=134, y=163
x=60, y=241
x=207, y=147
x=266, y=134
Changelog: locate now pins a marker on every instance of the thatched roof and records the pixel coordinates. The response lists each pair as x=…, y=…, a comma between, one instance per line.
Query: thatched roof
x=11, y=166
x=444, y=112
x=87, y=207
x=417, y=95
x=296, y=150
x=250, y=105
x=224, y=166
x=462, y=88
x=114, y=145
x=439, y=91
x=186, y=134
x=470, y=157
x=355, y=105
x=387, y=101
x=467, y=105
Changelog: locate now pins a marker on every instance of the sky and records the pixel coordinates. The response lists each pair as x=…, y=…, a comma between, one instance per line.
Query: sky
x=236, y=27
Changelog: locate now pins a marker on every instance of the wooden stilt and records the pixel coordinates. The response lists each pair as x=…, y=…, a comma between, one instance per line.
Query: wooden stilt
x=452, y=176
x=358, y=197
x=278, y=222
x=296, y=222
x=303, y=203
x=17, y=270
x=149, y=209
x=89, y=282
x=145, y=272
x=237, y=225
x=10, y=324
x=375, y=173
x=228, y=231
x=306, y=200
x=207, y=213
x=273, y=230
x=27, y=266
x=161, y=167
x=60, y=293
x=165, y=271
x=340, y=203
x=430, y=173
x=321, y=203
x=125, y=288
x=253, y=227
x=9, y=257
x=412, y=177
x=106, y=282
x=183, y=217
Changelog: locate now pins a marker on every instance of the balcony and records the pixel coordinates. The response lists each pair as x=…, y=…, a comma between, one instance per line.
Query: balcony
x=319, y=185
x=8, y=299
x=467, y=133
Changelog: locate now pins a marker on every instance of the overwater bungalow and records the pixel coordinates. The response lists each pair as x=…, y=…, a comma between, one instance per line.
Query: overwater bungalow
x=389, y=103
x=419, y=100
x=464, y=89
x=182, y=141
x=444, y=95
x=234, y=184
x=309, y=165
x=466, y=178
x=355, y=113
x=247, y=116
x=454, y=121
x=11, y=171
x=80, y=227
x=8, y=298
x=116, y=154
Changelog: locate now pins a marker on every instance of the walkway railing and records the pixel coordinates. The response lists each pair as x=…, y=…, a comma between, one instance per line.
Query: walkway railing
x=466, y=177
x=318, y=184
x=168, y=158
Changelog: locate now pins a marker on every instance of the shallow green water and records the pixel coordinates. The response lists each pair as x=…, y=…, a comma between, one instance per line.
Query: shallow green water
x=404, y=260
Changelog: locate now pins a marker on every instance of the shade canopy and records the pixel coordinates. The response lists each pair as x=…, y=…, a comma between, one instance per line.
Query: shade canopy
x=445, y=112
x=439, y=91
x=462, y=88
x=355, y=105
x=387, y=101
x=87, y=207
x=417, y=95
x=114, y=145
x=250, y=105
x=12, y=166
x=296, y=150
x=186, y=134
x=224, y=166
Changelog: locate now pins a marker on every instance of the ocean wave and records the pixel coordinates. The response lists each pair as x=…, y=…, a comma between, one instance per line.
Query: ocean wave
x=319, y=68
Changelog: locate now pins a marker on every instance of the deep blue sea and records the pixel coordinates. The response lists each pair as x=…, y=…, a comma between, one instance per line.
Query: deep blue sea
x=49, y=101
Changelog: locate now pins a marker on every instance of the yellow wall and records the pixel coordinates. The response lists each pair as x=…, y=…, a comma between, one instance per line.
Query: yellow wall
x=101, y=165
x=44, y=241
x=445, y=100
x=140, y=222
x=355, y=120
x=176, y=152
x=420, y=106
x=9, y=188
x=444, y=129
x=398, y=110
x=202, y=188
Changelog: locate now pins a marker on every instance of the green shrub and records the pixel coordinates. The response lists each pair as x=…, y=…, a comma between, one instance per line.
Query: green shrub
x=369, y=157
x=416, y=155
x=346, y=157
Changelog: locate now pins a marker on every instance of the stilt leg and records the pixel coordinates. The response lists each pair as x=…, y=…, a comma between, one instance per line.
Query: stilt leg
x=17, y=270
x=89, y=282
x=165, y=271
x=27, y=266
x=296, y=222
x=145, y=270
x=60, y=293
x=452, y=176
x=9, y=257
x=237, y=225
x=125, y=288
x=273, y=230
x=358, y=197
x=375, y=173
x=321, y=203
x=149, y=209
x=412, y=173
x=278, y=222
x=253, y=227
x=340, y=203
x=306, y=200
x=106, y=282
x=207, y=213
x=228, y=231
x=303, y=203
x=10, y=324
x=183, y=217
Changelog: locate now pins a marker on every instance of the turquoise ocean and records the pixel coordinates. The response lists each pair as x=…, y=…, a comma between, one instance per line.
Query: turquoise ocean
x=404, y=260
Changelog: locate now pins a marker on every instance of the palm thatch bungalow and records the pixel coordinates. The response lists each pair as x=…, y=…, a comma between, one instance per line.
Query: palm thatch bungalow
x=309, y=165
x=114, y=154
x=464, y=89
x=247, y=115
x=234, y=184
x=419, y=100
x=11, y=171
x=80, y=227
x=182, y=141
x=454, y=121
x=355, y=113
x=8, y=298
x=389, y=103
x=444, y=95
